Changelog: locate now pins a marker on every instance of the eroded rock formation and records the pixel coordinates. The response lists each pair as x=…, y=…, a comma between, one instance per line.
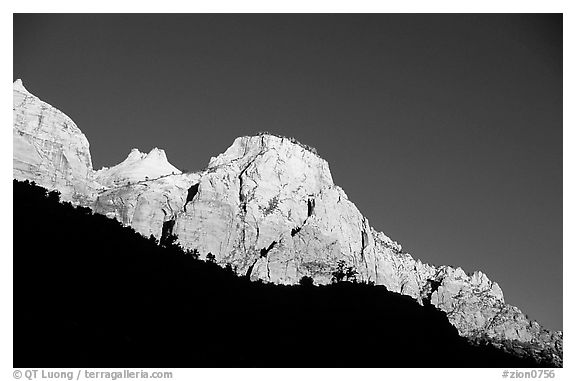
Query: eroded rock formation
x=49, y=148
x=267, y=206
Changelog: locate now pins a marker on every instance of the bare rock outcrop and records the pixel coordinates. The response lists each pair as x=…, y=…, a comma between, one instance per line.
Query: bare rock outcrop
x=268, y=207
x=146, y=205
x=137, y=167
x=49, y=148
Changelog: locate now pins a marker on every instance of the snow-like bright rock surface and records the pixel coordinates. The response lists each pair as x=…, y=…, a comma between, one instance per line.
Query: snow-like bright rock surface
x=267, y=206
x=146, y=205
x=136, y=167
x=48, y=147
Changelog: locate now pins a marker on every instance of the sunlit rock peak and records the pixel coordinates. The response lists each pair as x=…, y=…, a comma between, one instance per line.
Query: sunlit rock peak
x=269, y=208
x=49, y=148
x=137, y=167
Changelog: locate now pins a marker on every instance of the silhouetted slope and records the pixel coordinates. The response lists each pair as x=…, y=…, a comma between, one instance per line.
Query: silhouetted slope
x=89, y=292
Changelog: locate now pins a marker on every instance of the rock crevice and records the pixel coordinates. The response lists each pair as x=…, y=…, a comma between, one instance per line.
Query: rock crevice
x=263, y=193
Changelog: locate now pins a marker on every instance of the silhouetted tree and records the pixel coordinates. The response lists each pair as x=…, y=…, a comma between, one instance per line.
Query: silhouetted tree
x=339, y=274
x=211, y=258
x=53, y=196
x=351, y=274
x=170, y=242
x=229, y=269
x=344, y=273
x=194, y=253
x=128, y=272
x=306, y=281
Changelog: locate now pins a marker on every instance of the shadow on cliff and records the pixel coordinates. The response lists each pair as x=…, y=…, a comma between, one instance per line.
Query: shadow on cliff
x=89, y=292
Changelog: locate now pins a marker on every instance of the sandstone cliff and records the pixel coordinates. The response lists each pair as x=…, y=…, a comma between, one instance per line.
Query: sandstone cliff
x=267, y=206
x=49, y=148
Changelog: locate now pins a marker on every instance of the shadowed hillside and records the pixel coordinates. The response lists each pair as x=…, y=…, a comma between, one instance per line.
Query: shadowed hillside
x=89, y=292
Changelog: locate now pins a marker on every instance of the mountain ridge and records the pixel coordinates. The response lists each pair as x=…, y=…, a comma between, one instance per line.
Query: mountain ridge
x=268, y=207
x=226, y=320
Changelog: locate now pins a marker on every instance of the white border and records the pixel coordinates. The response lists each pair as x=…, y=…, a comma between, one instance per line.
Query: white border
x=334, y=6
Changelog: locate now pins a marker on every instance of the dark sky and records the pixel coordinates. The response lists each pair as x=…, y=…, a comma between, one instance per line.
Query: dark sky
x=444, y=130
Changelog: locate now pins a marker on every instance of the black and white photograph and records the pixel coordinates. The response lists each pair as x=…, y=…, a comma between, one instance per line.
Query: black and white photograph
x=287, y=190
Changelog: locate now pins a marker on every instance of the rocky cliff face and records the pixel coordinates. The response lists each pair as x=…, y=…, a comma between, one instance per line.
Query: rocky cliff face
x=137, y=167
x=49, y=148
x=268, y=207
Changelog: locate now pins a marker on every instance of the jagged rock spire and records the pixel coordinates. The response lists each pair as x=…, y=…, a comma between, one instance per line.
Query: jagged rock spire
x=267, y=206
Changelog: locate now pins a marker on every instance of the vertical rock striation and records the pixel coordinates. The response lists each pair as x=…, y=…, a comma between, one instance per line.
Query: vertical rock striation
x=267, y=206
x=49, y=148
